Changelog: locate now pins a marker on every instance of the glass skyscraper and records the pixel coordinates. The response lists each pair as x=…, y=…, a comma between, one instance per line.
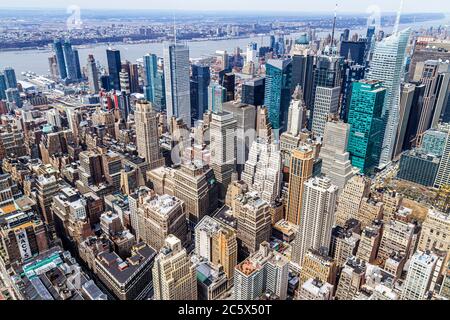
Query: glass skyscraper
x=366, y=124
x=69, y=58
x=10, y=77
x=59, y=52
x=277, y=94
x=114, y=67
x=201, y=78
x=177, y=81
x=388, y=66
x=3, y=87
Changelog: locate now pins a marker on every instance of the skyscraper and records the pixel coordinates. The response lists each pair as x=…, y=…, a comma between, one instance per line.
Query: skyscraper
x=201, y=78
x=223, y=148
x=69, y=58
x=147, y=135
x=76, y=58
x=59, y=52
x=388, y=66
x=92, y=74
x=10, y=76
x=174, y=276
x=177, y=74
x=277, y=94
x=154, y=83
x=318, y=209
x=327, y=74
x=303, y=72
x=253, y=92
x=301, y=168
x=326, y=104
x=3, y=86
x=366, y=124
x=336, y=163
x=216, y=95
x=114, y=67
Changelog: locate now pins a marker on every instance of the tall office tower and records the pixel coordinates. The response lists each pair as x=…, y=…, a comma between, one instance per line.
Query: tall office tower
x=297, y=119
x=435, y=234
x=350, y=200
x=327, y=75
x=229, y=83
x=419, y=276
x=134, y=78
x=177, y=74
x=265, y=271
x=254, y=222
x=354, y=50
x=10, y=77
x=336, y=163
x=124, y=78
x=277, y=94
x=435, y=77
x=154, y=83
x=13, y=98
x=443, y=175
x=387, y=66
x=59, y=53
x=114, y=67
x=366, y=124
x=245, y=116
x=314, y=289
x=201, y=77
x=370, y=44
x=252, y=51
x=303, y=72
x=174, y=276
x=92, y=74
x=262, y=171
x=352, y=73
x=146, y=121
x=317, y=264
x=253, y=91
x=223, y=148
x=297, y=113
x=300, y=171
x=317, y=217
x=76, y=58
x=216, y=95
x=411, y=138
x=69, y=58
x=159, y=217
x=352, y=279
x=3, y=86
x=217, y=242
x=398, y=237
x=326, y=104
x=224, y=59
x=406, y=100
x=422, y=54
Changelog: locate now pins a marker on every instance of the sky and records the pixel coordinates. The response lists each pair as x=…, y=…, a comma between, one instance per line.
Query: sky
x=412, y=6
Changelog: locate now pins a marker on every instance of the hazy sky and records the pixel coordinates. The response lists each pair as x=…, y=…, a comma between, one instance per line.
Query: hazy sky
x=236, y=5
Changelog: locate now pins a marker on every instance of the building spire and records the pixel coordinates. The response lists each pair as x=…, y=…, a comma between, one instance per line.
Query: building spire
x=334, y=28
x=397, y=21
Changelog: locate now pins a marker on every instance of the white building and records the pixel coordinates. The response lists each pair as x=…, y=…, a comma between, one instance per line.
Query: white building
x=326, y=103
x=314, y=289
x=316, y=222
x=388, y=66
x=419, y=276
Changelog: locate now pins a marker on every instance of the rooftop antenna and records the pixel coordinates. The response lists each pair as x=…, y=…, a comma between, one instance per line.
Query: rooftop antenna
x=174, y=29
x=397, y=21
x=334, y=28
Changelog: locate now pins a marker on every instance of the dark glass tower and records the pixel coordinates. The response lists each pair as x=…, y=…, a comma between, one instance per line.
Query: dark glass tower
x=58, y=47
x=201, y=78
x=114, y=67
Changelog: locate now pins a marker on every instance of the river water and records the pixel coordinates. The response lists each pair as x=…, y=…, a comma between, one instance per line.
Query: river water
x=37, y=60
